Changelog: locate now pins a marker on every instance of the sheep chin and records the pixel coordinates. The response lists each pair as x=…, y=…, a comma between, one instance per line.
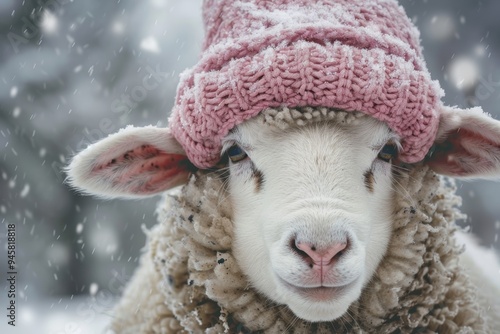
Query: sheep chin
x=317, y=311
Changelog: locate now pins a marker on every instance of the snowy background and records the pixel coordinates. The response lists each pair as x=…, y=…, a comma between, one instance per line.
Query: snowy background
x=71, y=72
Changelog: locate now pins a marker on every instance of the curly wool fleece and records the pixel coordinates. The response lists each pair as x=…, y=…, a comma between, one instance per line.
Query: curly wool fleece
x=189, y=281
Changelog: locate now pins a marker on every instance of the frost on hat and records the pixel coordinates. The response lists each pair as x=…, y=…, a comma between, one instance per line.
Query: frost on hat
x=361, y=55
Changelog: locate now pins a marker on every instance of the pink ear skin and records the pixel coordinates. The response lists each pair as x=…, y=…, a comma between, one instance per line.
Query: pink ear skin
x=145, y=170
x=132, y=163
x=468, y=145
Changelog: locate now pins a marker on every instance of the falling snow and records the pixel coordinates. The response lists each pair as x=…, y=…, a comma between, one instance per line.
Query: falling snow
x=13, y=92
x=442, y=26
x=16, y=112
x=150, y=44
x=118, y=27
x=93, y=289
x=49, y=22
x=79, y=228
x=25, y=191
x=464, y=72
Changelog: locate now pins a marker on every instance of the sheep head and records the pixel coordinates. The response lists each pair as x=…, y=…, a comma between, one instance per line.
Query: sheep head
x=312, y=200
x=312, y=209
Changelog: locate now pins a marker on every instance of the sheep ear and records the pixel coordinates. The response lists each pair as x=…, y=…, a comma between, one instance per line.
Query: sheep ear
x=133, y=163
x=467, y=144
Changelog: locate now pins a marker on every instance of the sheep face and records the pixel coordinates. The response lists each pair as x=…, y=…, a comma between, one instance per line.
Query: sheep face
x=312, y=203
x=312, y=210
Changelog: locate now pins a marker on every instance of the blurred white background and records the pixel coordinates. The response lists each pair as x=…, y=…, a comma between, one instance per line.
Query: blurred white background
x=71, y=72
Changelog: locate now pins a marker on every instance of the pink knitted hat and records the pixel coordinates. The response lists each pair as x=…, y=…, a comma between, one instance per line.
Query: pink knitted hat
x=359, y=55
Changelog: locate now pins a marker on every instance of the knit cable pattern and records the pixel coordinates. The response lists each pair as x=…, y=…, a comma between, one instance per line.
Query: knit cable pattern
x=351, y=55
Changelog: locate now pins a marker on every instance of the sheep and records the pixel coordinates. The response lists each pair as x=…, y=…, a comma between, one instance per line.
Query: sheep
x=310, y=198
x=196, y=272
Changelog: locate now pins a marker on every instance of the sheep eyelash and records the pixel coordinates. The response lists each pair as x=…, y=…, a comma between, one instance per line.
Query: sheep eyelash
x=393, y=139
x=229, y=142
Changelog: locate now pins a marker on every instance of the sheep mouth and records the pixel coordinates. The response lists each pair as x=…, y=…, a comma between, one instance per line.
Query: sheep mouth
x=320, y=293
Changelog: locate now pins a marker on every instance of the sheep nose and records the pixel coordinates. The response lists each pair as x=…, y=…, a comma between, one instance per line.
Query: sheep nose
x=318, y=257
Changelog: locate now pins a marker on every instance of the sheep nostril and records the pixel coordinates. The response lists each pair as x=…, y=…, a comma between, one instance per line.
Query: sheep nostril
x=300, y=252
x=293, y=246
x=322, y=256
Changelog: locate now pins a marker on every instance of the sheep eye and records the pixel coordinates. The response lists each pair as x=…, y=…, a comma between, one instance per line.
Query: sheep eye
x=236, y=154
x=388, y=152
